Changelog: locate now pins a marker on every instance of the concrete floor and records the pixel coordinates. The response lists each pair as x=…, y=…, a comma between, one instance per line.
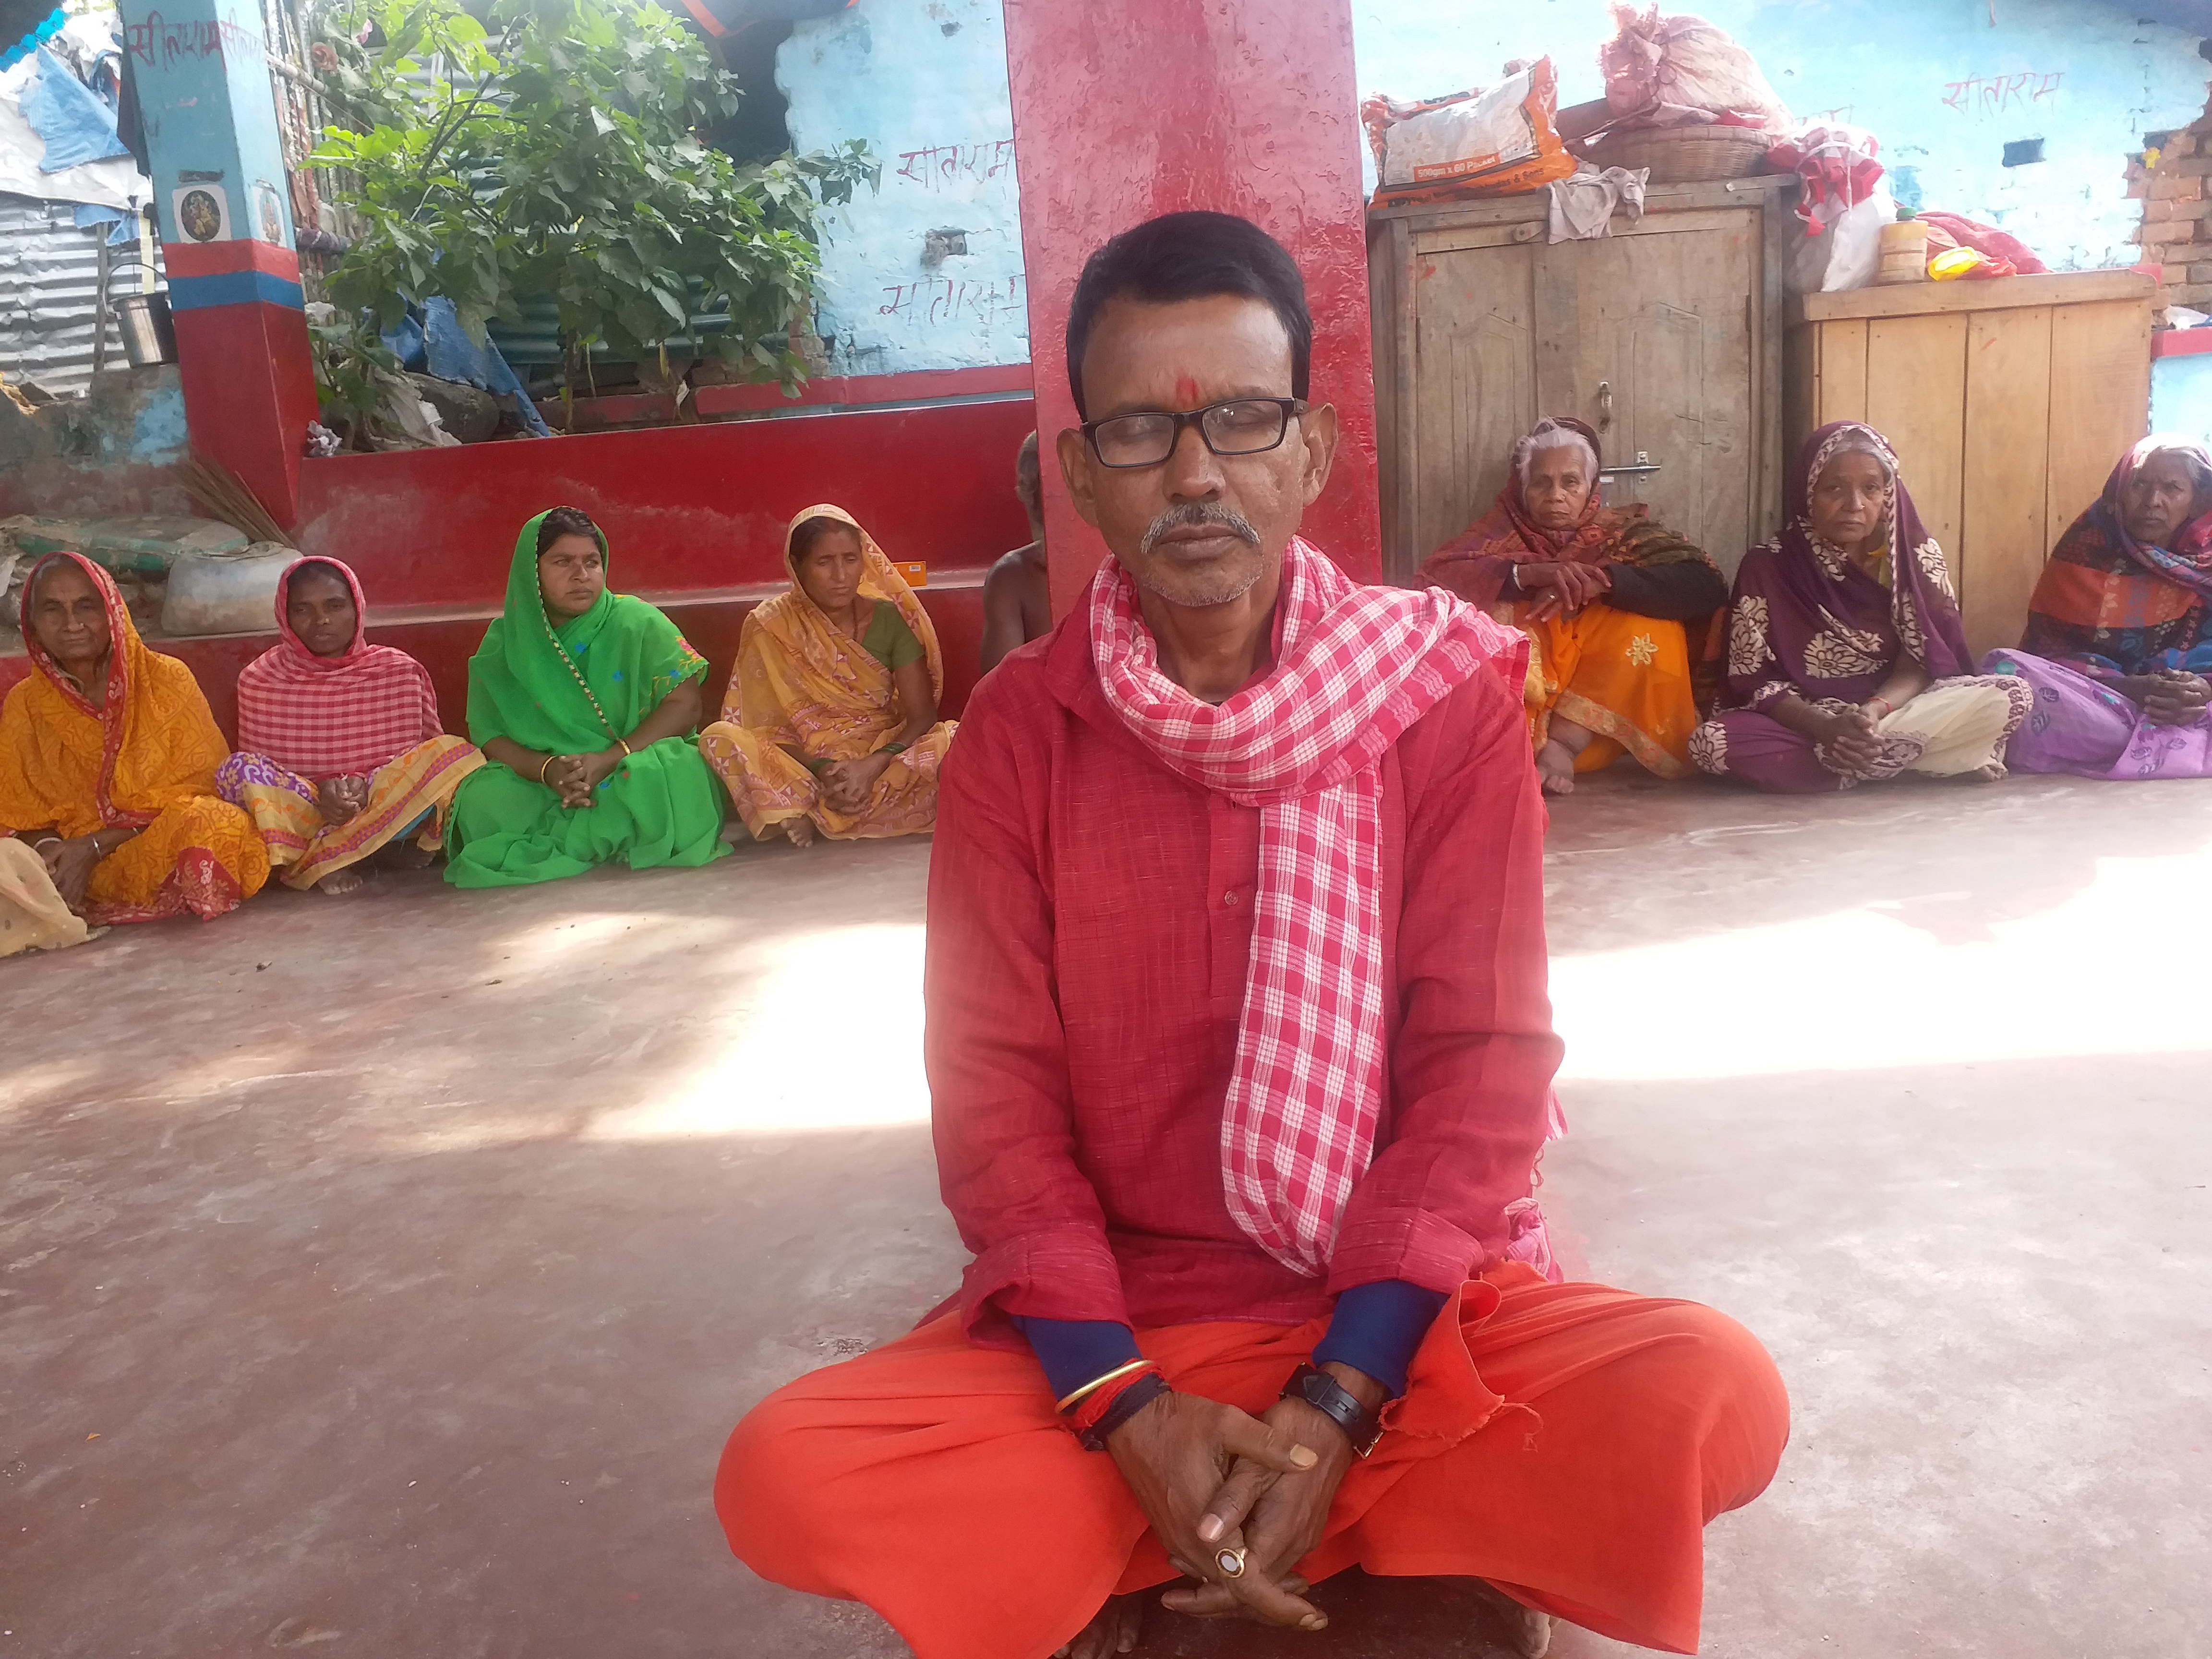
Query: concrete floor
x=380, y=1277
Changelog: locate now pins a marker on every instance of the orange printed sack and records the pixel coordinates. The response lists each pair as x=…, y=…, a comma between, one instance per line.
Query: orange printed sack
x=1494, y=141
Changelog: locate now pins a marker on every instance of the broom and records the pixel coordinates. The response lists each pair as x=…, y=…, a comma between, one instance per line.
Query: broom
x=219, y=493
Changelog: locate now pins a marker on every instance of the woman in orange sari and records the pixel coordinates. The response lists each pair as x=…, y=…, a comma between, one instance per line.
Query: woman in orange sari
x=1603, y=594
x=107, y=758
x=831, y=721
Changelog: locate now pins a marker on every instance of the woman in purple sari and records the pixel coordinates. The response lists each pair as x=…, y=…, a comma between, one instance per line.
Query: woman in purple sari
x=2120, y=628
x=1846, y=663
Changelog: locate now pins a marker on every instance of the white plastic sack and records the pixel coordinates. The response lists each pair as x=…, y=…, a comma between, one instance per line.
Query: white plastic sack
x=225, y=593
x=1847, y=253
x=1490, y=130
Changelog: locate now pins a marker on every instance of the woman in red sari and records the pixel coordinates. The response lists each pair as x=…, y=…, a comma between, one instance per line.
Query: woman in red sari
x=1604, y=595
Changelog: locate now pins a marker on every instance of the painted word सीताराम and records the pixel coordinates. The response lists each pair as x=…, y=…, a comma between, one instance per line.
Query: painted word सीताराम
x=946, y=301
x=945, y=164
x=1981, y=94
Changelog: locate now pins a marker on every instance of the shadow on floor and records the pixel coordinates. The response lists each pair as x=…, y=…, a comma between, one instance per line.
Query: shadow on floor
x=1369, y=1618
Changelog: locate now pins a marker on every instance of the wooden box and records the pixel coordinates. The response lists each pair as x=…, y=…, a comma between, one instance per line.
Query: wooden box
x=1665, y=335
x=2008, y=403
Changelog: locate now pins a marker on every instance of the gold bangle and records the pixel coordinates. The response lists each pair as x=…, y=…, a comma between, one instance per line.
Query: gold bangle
x=1098, y=1383
x=626, y=750
x=546, y=768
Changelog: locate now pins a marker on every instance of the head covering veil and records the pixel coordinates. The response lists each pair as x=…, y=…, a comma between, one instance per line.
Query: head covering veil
x=580, y=685
x=1805, y=611
x=802, y=678
x=332, y=717
x=1474, y=565
x=151, y=742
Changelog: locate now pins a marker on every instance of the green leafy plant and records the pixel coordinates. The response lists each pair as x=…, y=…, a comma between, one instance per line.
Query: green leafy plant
x=353, y=367
x=554, y=152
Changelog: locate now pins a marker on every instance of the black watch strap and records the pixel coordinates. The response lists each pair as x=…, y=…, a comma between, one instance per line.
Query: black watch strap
x=1334, y=1401
x=1131, y=1401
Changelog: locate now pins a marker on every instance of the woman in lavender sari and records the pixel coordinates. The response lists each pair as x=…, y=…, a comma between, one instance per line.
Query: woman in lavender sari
x=1846, y=661
x=2120, y=628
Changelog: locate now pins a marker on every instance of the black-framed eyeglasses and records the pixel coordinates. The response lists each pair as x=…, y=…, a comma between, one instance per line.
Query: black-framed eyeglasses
x=1236, y=426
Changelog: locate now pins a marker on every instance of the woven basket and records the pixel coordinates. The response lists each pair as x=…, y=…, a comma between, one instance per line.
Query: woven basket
x=1685, y=155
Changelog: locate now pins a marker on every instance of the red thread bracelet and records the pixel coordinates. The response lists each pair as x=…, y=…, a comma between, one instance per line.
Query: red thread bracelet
x=1099, y=1401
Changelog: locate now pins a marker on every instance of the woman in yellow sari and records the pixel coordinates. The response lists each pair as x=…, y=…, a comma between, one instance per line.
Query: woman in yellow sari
x=831, y=721
x=1617, y=610
x=107, y=758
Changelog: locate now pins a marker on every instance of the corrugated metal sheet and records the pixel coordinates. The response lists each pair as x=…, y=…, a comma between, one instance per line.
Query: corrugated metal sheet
x=49, y=276
x=536, y=338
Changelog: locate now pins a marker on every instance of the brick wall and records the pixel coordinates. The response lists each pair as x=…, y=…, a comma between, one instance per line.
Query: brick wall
x=2177, y=212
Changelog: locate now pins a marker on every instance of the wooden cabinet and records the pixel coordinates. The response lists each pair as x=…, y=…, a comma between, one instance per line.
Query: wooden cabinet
x=2008, y=403
x=1664, y=335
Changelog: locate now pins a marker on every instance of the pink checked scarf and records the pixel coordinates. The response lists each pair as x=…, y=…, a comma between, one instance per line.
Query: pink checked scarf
x=333, y=717
x=1304, y=744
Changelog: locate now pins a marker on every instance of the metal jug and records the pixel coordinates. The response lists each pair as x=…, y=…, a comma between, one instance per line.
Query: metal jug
x=148, y=335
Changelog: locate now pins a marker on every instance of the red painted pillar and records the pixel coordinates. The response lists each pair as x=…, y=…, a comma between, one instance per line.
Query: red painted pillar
x=246, y=366
x=1122, y=112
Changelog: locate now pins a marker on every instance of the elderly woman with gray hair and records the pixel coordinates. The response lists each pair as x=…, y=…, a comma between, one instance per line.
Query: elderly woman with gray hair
x=2118, y=645
x=1604, y=595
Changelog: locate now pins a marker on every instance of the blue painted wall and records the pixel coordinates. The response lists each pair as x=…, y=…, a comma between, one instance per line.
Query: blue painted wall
x=2181, y=395
x=925, y=82
x=1942, y=87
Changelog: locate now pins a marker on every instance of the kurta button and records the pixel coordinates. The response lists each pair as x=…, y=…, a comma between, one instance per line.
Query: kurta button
x=1228, y=897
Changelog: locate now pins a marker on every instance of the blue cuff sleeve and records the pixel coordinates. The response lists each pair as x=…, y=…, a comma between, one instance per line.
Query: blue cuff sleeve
x=1075, y=1351
x=1378, y=1327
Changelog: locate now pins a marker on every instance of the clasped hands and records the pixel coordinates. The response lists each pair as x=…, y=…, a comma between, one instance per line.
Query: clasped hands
x=1850, y=736
x=845, y=784
x=1210, y=1478
x=340, y=799
x=1561, y=587
x=2175, y=697
x=574, y=777
x=69, y=862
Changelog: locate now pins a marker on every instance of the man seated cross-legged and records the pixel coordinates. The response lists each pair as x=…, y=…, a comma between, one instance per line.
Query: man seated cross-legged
x=1241, y=1058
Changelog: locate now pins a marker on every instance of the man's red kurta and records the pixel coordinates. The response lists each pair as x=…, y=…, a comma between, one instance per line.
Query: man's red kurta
x=1090, y=918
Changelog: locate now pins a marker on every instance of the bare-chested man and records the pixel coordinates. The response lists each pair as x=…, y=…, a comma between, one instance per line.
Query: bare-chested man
x=1016, y=607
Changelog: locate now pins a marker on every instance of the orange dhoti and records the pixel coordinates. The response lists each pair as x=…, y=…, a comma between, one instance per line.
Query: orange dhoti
x=1568, y=1442
x=1624, y=678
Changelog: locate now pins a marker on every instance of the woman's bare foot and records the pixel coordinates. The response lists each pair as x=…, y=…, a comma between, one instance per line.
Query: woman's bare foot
x=1555, y=768
x=800, y=832
x=1115, y=1629
x=339, y=883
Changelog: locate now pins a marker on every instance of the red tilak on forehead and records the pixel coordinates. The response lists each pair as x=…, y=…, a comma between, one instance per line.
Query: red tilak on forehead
x=1185, y=391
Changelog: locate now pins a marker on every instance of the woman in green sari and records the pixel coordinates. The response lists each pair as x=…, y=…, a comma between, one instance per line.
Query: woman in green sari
x=586, y=703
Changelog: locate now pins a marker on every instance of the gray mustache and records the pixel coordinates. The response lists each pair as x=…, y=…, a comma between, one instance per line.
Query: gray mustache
x=1194, y=513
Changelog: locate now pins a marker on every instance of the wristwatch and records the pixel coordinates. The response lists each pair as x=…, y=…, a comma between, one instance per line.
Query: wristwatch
x=1336, y=1403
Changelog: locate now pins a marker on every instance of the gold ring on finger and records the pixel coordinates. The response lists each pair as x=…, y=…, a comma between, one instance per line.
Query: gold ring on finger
x=1232, y=1563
